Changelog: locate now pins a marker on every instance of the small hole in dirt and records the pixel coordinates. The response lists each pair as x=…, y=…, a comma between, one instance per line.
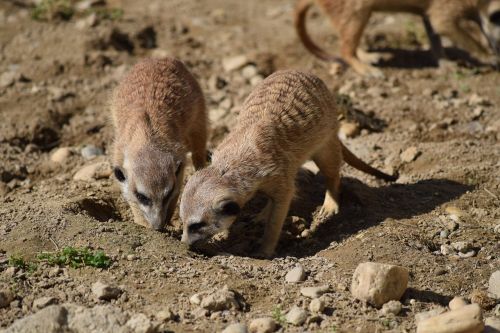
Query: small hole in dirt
x=100, y=209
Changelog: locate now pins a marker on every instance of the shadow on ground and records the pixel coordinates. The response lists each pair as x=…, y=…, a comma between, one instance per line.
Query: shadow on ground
x=362, y=206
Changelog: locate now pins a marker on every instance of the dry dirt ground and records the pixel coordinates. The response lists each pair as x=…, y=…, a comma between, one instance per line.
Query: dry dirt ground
x=55, y=94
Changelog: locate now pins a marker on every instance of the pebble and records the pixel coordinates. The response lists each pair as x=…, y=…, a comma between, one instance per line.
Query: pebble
x=61, y=155
x=392, y=307
x=462, y=247
x=317, y=305
x=467, y=319
x=262, y=325
x=378, y=283
x=93, y=172
x=455, y=213
x=220, y=300
x=492, y=325
x=446, y=249
x=43, y=302
x=90, y=151
x=8, y=78
x=348, y=130
x=410, y=154
x=232, y=63
x=314, y=292
x=105, y=292
x=444, y=234
x=235, y=328
x=476, y=100
x=296, y=274
x=296, y=316
x=165, y=315
x=249, y=71
x=494, y=284
x=6, y=296
x=457, y=302
x=195, y=299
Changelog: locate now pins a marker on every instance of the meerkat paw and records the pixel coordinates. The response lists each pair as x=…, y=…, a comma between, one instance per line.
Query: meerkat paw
x=373, y=57
x=328, y=210
x=369, y=71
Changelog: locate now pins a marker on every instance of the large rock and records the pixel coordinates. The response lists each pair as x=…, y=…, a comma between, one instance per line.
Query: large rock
x=70, y=318
x=494, y=284
x=467, y=319
x=314, y=292
x=235, y=328
x=61, y=155
x=296, y=274
x=296, y=316
x=217, y=300
x=379, y=283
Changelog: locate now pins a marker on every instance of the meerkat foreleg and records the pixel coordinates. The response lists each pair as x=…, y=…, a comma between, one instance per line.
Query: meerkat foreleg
x=329, y=159
x=265, y=213
x=434, y=39
x=280, y=204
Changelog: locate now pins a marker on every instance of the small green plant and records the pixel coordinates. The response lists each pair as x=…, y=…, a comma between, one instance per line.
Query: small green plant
x=47, y=10
x=76, y=258
x=279, y=316
x=19, y=262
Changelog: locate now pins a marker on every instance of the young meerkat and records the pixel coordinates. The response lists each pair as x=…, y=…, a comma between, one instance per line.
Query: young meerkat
x=440, y=17
x=289, y=118
x=158, y=113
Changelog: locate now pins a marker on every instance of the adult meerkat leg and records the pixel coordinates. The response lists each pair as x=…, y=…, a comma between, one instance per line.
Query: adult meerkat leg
x=457, y=34
x=329, y=159
x=264, y=214
x=171, y=207
x=436, y=46
x=198, y=142
x=350, y=33
x=280, y=204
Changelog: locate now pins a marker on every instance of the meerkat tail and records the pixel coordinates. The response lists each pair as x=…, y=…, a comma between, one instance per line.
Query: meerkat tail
x=355, y=162
x=300, y=26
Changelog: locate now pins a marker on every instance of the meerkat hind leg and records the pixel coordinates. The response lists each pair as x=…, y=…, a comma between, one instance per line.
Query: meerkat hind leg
x=280, y=203
x=328, y=160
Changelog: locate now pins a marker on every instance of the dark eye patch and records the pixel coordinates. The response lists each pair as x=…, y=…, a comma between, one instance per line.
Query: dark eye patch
x=495, y=18
x=228, y=208
x=143, y=200
x=168, y=195
x=195, y=227
x=119, y=174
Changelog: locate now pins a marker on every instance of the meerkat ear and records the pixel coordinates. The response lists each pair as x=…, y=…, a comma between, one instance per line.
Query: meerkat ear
x=228, y=207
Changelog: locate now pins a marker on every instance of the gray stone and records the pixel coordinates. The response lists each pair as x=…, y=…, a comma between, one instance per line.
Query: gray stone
x=43, y=302
x=90, y=151
x=52, y=319
x=105, y=292
x=314, y=292
x=296, y=274
x=494, y=284
x=296, y=316
x=262, y=325
x=392, y=307
x=235, y=328
x=379, y=283
x=219, y=300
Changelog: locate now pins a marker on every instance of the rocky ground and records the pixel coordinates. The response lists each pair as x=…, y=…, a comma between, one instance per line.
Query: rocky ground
x=438, y=127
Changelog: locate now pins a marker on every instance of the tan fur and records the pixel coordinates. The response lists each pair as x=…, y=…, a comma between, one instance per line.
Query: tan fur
x=441, y=17
x=158, y=114
x=290, y=117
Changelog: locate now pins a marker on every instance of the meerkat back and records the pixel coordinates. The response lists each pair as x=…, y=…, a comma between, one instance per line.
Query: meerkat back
x=158, y=113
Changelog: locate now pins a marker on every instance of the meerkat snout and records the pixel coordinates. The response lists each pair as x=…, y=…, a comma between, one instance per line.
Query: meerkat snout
x=214, y=212
x=151, y=195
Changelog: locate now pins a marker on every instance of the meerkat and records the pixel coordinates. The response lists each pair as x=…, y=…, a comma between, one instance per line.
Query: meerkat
x=158, y=114
x=289, y=118
x=440, y=17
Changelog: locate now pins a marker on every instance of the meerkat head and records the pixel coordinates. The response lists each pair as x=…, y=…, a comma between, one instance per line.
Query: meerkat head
x=489, y=11
x=209, y=205
x=150, y=179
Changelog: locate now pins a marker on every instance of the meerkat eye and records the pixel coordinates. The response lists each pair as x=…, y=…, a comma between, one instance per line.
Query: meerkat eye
x=119, y=174
x=144, y=200
x=228, y=207
x=495, y=18
x=195, y=227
